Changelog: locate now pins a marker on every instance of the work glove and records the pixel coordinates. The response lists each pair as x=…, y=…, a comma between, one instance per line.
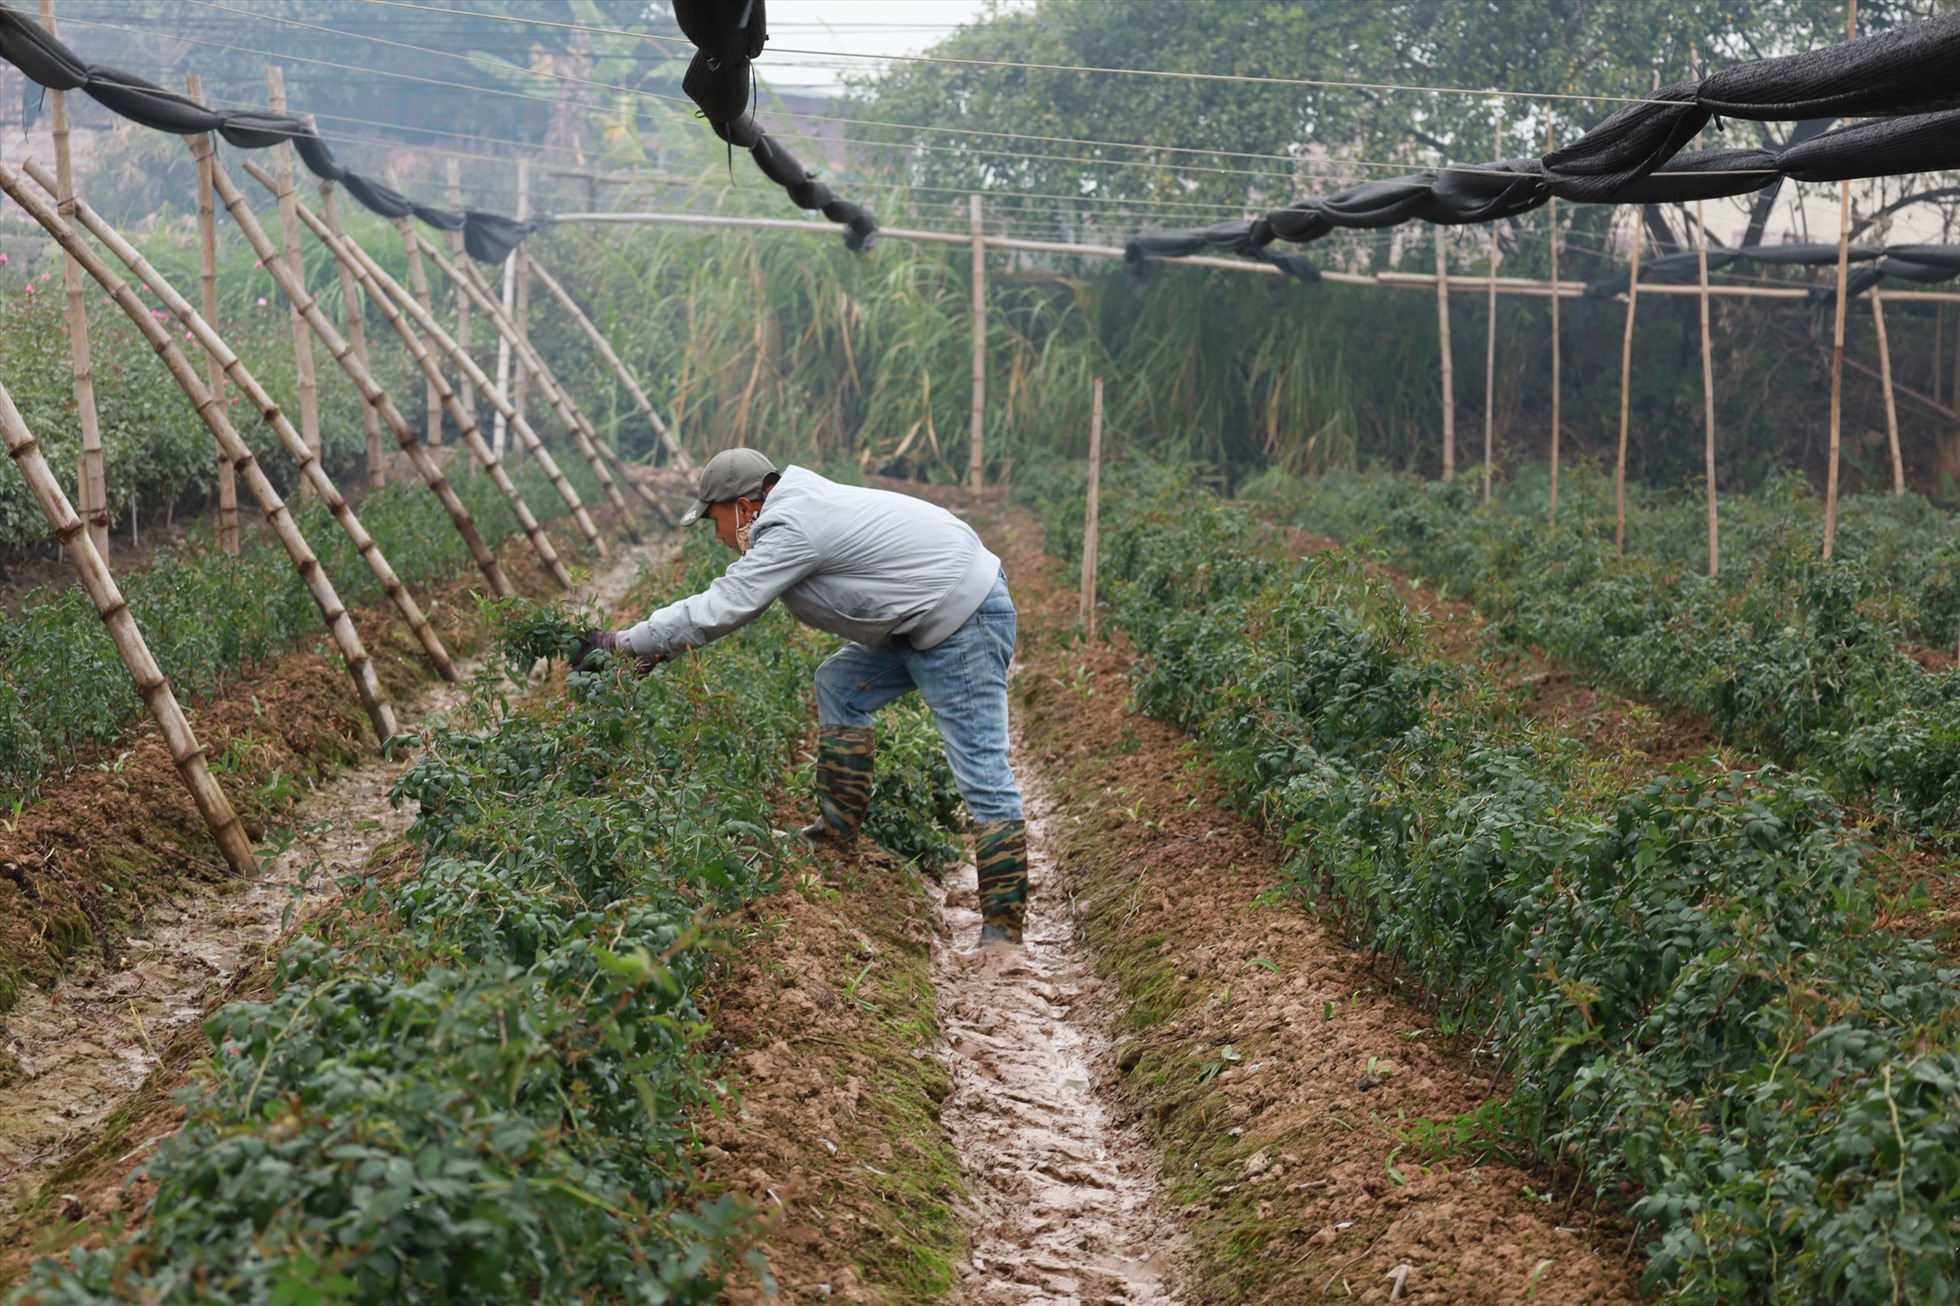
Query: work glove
x=594, y=641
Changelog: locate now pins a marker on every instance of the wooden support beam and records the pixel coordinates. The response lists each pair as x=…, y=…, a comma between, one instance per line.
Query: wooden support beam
x=207, y=250
x=295, y=291
x=1626, y=392
x=454, y=171
x=209, y=408
x=1091, y=516
x=1443, y=342
x=976, y=463
x=418, y=281
x=1891, y=399
x=1707, y=397
x=185, y=750
x=1490, y=368
x=356, y=327
x=223, y=362
x=309, y=382
x=1552, y=209
x=1837, y=346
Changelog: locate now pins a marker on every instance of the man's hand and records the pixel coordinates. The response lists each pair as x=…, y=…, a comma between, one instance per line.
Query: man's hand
x=594, y=641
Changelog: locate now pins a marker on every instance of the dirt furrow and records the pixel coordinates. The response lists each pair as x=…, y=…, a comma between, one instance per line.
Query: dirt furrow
x=73, y=1052
x=1065, y=1200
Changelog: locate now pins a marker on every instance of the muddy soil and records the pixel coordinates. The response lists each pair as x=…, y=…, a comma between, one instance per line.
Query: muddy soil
x=74, y=1053
x=1065, y=1197
x=1286, y=1082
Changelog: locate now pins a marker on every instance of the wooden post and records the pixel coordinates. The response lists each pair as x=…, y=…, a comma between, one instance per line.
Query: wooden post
x=1891, y=400
x=91, y=481
x=599, y=342
x=1707, y=395
x=1550, y=145
x=500, y=426
x=976, y=463
x=1490, y=367
x=454, y=169
x=1443, y=342
x=309, y=384
x=459, y=516
x=1626, y=393
x=1837, y=345
x=386, y=294
x=356, y=330
x=205, y=400
x=222, y=361
x=521, y=312
x=1091, y=515
x=207, y=249
x=155, y=691
x=418, y=281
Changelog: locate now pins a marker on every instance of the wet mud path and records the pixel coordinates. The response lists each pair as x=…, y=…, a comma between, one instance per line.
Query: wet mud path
x=1065, y=1200
x=70, y=1056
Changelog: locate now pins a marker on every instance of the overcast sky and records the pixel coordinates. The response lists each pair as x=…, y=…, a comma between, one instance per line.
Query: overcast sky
x=841, y=27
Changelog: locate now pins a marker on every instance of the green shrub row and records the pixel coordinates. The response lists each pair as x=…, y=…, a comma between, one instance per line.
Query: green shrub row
x=475, y=1081
x=1783, y=653
x=209, y=616
x=1682, y=977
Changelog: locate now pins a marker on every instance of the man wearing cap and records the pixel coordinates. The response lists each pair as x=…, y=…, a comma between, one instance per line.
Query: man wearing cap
x=925, y=606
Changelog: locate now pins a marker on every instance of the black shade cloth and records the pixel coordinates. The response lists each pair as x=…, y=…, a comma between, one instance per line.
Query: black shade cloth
x=728, y=35
x=489, y=237
x=1869, y=265
x=1225, y=238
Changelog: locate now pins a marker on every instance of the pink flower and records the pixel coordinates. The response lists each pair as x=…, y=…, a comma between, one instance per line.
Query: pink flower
x=44, y=276
x=3, y=260
x=259, y=264
x=30, y=287
x=261, y=301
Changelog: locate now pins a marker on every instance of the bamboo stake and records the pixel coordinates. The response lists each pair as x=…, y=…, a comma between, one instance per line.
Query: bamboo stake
x=1550, y=145
x=1837, y=344
x=1490, y=367
x=221, y=360
x=151, y=685
x=207, y=248
x=386, y=294
x=1891, y=400
x=309, y=382
x=295, y=291
x=350, y=299
x=418, y=281
x=1707, y=395
x=1443, y=339
x=585, y=436
x=521, y=314
x=1091, y=515
x=454, y=169
x=599, y=341
x=1626, y=390
x=501, y=423
x=976, y=463
x=205, y=401
x=526, y=434
x=91, y=481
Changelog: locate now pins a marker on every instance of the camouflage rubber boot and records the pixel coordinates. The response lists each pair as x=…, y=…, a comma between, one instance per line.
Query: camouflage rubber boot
x=1000, y=854
x=844, y=757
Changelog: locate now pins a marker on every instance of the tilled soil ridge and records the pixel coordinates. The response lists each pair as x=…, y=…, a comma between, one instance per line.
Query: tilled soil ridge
x=1286, y=1082
x=1065, y=1199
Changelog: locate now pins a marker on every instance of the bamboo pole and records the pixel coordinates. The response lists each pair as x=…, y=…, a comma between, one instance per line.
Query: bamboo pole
x=454, y=172
x=1707, y=396
x=1626, y=393
x=1091, y=515
x=526, y=434
x=221, y=360
x=1550, y=145
x=1490, y=368
x=151, y=685
x=585, y=436
x=356, y=329
x=599, y=342
x=309, y=381
x=1891, y=400
x=1837, y=343
x=976, y=463
x=295, y=291
x=501, y=423
x=91, y=480
x=418, y=281
x=207, y=249
x=205, y=400
x=1443, y=339
x=520, y=313
x=386, y=294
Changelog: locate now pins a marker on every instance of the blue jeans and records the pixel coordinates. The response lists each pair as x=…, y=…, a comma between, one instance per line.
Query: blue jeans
x=963, y=679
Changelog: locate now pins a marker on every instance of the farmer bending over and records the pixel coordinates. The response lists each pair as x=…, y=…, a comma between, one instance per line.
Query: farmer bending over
x=925, y=606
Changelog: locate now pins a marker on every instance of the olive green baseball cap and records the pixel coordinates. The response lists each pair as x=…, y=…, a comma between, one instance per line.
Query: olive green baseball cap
x=730, y=475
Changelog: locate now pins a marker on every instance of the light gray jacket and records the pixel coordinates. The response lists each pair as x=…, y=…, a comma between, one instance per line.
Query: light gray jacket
x=863, y=564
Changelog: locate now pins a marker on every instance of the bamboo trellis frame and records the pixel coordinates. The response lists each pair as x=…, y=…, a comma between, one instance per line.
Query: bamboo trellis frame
x=222, y=360
x=360, y=668
x=309, y=380
x=185, y=750
x=385, y=294
x=585, y=437
x=207, y=254
x=356, y=324
x=371, y=391
x=418, y=281
x=606, y=351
